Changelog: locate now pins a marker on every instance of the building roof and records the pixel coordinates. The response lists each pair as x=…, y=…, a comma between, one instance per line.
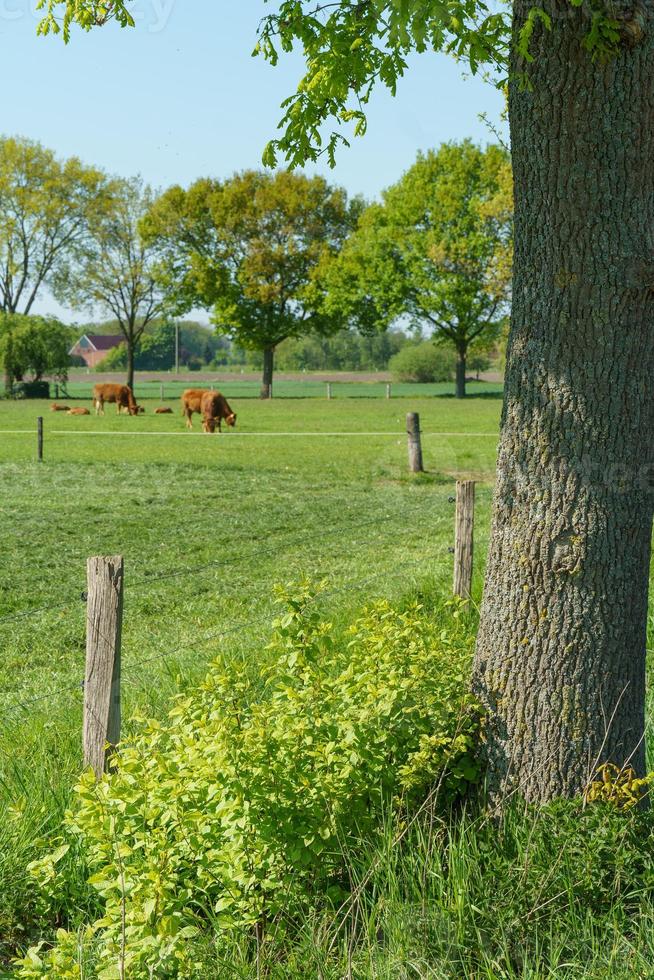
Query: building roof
x=106, y=343
x=97, y=342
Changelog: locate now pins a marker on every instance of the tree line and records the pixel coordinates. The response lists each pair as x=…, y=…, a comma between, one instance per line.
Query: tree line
x=274, y=258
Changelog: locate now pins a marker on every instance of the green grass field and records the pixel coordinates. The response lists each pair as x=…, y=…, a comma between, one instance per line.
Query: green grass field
x=207, y=524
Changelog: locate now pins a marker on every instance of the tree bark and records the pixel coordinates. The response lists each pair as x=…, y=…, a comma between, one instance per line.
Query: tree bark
x=9, y=367
x=268, y=363
x=130, y=365
x=560, y=659
x=461, y=354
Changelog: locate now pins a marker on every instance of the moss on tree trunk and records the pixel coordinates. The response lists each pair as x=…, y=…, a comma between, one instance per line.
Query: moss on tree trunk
x=560, y=660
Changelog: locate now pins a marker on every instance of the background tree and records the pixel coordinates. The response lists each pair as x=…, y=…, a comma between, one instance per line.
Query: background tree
x=116, y=272
x=47, y=209
x=437, y=249
x=560, y=664
x=34, y=346
x=250, y=248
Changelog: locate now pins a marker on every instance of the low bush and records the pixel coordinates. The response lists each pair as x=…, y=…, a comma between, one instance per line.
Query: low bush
x=424, y=363
x=238, y=815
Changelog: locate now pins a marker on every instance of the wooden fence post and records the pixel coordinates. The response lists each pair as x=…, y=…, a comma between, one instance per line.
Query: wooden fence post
x=104, y=619
x=329, y=390
x=415, y=449
x=464, y=537
x=39, y=439
x=388, y=391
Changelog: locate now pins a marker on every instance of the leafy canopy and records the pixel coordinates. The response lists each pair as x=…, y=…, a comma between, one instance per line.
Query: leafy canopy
x=48, y=208
x=34, y=346
x=436, y=250
x=350, y=46
x=115, y=273
x=250, y=249
x=60, y=15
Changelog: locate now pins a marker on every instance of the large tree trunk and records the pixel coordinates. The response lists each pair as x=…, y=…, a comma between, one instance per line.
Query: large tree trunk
x=266, y=381
x=560, y=661
x=461, y=355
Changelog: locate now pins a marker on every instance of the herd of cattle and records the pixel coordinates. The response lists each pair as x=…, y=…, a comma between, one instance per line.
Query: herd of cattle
x=210, y=405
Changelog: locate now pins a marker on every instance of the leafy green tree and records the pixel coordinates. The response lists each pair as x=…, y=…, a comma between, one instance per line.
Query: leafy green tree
x=437, y=249
x=250, y=249
x=116, y=273
x=560, y=664
x=33, y=346
x=47, y=210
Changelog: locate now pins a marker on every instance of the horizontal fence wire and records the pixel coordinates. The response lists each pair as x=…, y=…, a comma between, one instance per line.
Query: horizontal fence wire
x=283, y=389
x=234, y=435
x=195, y=641
x=147, y=580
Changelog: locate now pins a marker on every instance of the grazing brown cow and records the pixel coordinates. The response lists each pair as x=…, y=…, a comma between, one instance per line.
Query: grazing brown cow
x=214, y=407
x=78, y=411
x=120, y=394
x=193, y=400
x=163, y=411
x=58, y=408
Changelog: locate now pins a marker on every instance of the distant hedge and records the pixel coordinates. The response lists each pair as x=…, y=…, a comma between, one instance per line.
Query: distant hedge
x=426, y=362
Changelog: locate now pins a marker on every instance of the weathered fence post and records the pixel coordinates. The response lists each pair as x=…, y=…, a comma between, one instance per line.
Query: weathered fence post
x=39, y=439
x=388, y=391
x=415, y=449
x=104, y=619
x=329, y=390
x=464, y=537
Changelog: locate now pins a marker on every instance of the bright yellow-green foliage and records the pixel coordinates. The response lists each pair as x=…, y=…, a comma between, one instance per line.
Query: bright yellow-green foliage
x=622, y=787
x=349, y=47
x=60, y=15
x=241, y=808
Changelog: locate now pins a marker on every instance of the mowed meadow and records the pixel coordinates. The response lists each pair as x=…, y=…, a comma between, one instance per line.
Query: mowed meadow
x=207, y=524
x=302, y=489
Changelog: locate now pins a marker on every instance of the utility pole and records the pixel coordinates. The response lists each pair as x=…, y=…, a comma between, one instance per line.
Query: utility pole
x=176, y=347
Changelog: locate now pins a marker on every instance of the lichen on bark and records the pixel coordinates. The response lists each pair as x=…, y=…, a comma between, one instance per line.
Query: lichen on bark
x=560, y=660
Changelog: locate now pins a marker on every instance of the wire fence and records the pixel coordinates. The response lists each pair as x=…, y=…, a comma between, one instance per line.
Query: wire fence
x=194, y=642
x=414, y=556
x=167, y=389
x=275, y=538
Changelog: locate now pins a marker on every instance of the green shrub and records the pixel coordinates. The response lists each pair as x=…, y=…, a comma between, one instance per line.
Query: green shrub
x=238, y=812
x=426, y=362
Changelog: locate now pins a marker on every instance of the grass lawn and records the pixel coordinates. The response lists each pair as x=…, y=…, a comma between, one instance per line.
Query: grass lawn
x=207, y=524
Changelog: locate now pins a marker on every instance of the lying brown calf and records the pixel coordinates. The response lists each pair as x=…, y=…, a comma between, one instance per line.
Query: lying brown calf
x=163, y=411
x=58, y=408
x=78, y=411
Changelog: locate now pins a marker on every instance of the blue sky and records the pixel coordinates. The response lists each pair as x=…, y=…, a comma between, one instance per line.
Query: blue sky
x=181, y=97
